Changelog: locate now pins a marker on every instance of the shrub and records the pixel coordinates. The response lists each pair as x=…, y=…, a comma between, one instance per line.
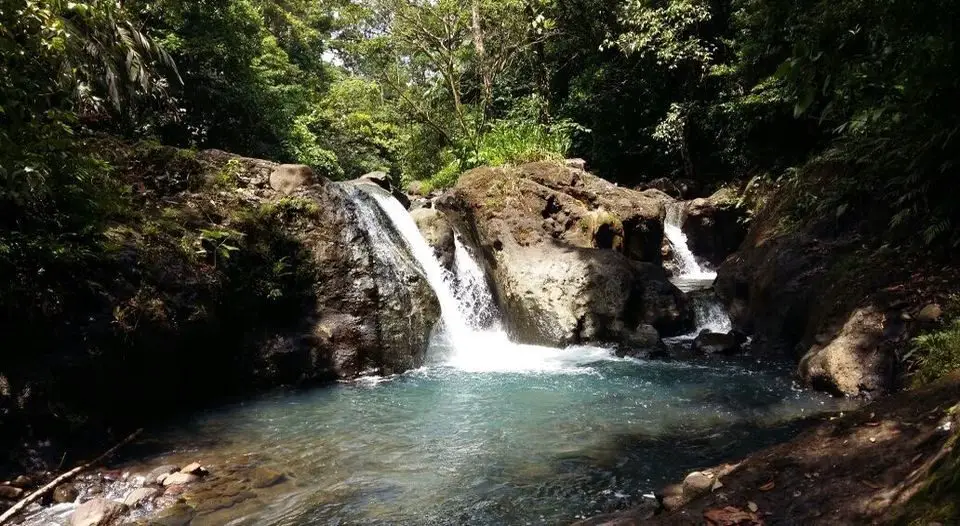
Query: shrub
x=935, y=354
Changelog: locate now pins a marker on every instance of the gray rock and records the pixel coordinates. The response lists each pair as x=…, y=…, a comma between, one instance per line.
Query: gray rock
x=10, y=493
x=716, y=343
x=65, y=493
x=194, y=469
x=97, y=512
x=715, y=227
x=856, y=362
x=576, y=164
x=265, y=477
x=574, y=258
x=22, y=482
x=179, y=479
x=140, y=496
x=645, y=336
x=180, y=514
x=374, y=310
x=287, y=178
x=438, y=232
x=153, y=476
x=697, y=483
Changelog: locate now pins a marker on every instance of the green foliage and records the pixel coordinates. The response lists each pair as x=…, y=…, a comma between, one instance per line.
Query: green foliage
x=935, y=354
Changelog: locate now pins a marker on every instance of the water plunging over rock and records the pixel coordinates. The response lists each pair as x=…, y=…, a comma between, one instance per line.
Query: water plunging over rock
x=573, y=258
x=684, y=260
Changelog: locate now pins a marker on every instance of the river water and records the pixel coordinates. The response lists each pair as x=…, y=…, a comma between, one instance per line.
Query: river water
x=490, y=432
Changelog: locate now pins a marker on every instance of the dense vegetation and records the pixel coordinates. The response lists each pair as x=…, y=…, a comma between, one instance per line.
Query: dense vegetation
x=710, y=91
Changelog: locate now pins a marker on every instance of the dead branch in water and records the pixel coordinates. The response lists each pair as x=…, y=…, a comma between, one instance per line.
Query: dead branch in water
x=26, y=501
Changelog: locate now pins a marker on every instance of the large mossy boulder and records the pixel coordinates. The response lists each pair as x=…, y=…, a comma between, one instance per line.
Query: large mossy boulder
x=574, y=258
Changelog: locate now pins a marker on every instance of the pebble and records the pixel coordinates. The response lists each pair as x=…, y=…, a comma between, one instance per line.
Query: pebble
x=180, y=478
x=65, y=493
x=10, y=493
x=139, y=496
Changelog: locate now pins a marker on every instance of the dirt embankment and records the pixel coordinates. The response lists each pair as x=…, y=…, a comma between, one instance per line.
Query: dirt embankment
x=894, y=461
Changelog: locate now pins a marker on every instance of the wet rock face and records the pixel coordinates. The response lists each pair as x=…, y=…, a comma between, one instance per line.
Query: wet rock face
x=369, y=315
x=857, y=361
x=715, y=227
x=768, y=289
x=574, y=258
x=438, y=232
x=717, y=343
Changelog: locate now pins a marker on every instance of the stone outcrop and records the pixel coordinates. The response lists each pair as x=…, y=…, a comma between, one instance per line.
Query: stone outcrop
x=233, y=275
x=769, y=288
x=574, y=258
x=715, y=226
x=438, y=232
x=858, y=361
x=371, y=313
x=287, y=178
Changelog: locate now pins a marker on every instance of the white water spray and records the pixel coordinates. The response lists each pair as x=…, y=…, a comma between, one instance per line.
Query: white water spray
x=682, y=255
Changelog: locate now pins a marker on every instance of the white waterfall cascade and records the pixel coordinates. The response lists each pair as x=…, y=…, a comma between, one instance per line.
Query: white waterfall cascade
x=682, y=255
x=471, y=337
x=709, y=314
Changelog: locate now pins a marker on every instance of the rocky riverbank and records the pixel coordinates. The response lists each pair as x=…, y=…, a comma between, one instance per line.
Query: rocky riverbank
x=891, y=462
x=219, y=276
x=222, y=276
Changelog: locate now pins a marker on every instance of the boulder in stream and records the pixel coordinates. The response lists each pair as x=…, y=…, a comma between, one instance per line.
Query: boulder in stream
x=708, y=342
x=574, y=258
x=715, y=226
x=97, y=512
x=66, y=492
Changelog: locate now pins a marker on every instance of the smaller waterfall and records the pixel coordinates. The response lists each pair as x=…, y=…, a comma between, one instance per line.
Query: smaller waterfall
x=471, y=290
x=693, y=279
x=682, y=255
x=710, y=315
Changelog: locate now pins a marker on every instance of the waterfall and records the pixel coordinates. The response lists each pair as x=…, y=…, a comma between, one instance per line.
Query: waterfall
x=682, y=255
x=693, y=279
x=709, y=314
x=456, y=327
x=470, y=337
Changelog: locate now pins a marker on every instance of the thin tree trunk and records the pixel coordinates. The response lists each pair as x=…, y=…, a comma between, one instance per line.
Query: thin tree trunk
x=18, y=507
